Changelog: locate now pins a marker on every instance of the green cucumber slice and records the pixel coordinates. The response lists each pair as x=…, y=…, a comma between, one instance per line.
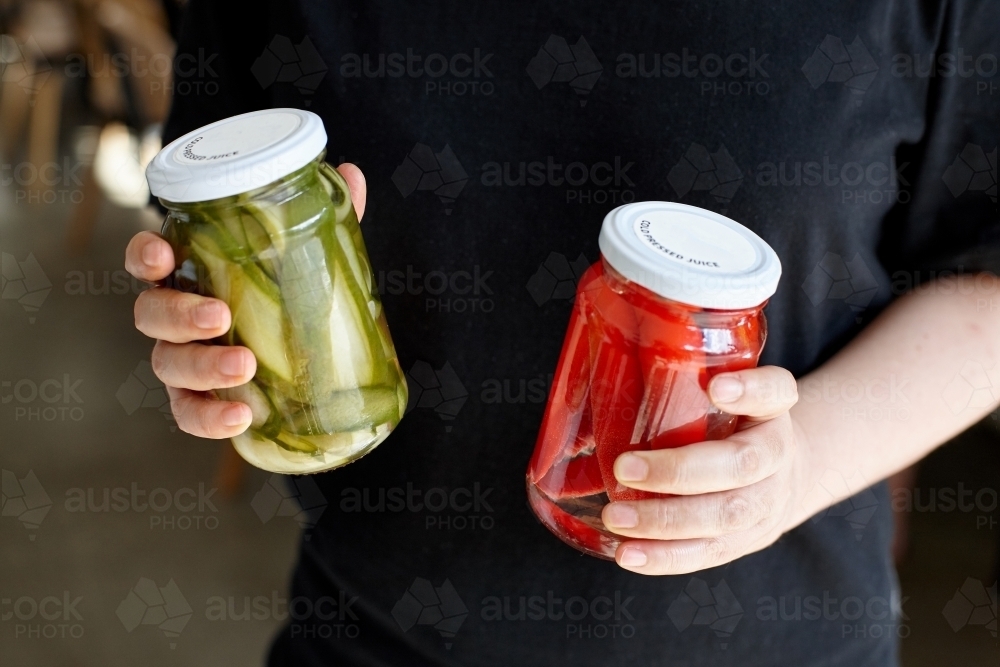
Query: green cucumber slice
x=296, y=443
x=345, y=411
x=254, y=300
x=271, y=218
x=326, y=322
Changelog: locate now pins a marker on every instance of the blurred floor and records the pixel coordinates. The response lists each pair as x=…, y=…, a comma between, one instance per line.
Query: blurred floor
x=84, y=442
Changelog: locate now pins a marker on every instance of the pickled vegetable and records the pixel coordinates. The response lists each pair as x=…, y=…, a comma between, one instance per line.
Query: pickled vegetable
x=290, y=261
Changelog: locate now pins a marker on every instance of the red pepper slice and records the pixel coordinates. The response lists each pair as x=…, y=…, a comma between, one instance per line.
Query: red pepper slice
x=616, y=384
x=675, y=406
x=573, y=478
x=567, y=398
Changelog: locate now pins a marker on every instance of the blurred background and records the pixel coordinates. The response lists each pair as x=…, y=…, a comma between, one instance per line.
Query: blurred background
x=125, y=541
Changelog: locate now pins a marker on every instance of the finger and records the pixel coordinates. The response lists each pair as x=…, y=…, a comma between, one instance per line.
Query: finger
x=356, y=182
x=179, y=317
x=716, y=465
x=149, y=257
x=700, y=516
x=202, y=367
x=759, y=393
x=654, y=557
x=207, y=417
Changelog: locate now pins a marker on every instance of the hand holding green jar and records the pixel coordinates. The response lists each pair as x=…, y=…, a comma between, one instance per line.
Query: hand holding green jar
x=258, y=220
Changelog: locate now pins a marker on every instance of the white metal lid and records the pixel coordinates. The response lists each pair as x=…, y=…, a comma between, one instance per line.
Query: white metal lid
x=690, y=255
x=236, y=155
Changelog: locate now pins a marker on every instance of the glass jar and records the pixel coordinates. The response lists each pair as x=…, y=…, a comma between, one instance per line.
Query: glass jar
x=258, y=220
x=676, y=298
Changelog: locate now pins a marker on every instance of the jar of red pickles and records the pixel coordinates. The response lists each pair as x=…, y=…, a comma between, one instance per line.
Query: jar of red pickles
x=677, y=297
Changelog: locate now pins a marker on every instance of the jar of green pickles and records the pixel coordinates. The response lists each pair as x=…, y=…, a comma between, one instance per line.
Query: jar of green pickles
x=260, y=221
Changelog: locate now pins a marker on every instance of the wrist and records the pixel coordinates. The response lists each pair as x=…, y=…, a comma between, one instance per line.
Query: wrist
x=804, y=502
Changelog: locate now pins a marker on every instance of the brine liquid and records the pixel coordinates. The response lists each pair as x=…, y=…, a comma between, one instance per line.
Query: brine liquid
x=270, y=455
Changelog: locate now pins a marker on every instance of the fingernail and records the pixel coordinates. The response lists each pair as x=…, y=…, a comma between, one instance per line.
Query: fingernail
x=231, y=363
x=235, y=415
x=726, y=389
x=150, y=255
x=619, y=515
x=631, y=468
x=207, y=315
x=633, y=558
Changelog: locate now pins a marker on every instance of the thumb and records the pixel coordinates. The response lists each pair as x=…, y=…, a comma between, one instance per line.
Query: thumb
x=356, y=182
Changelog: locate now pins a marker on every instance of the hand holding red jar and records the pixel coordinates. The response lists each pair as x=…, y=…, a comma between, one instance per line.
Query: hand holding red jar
x=676, y=298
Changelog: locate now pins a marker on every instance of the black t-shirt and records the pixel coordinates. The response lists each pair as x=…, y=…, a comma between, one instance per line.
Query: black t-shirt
x=858, y=139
